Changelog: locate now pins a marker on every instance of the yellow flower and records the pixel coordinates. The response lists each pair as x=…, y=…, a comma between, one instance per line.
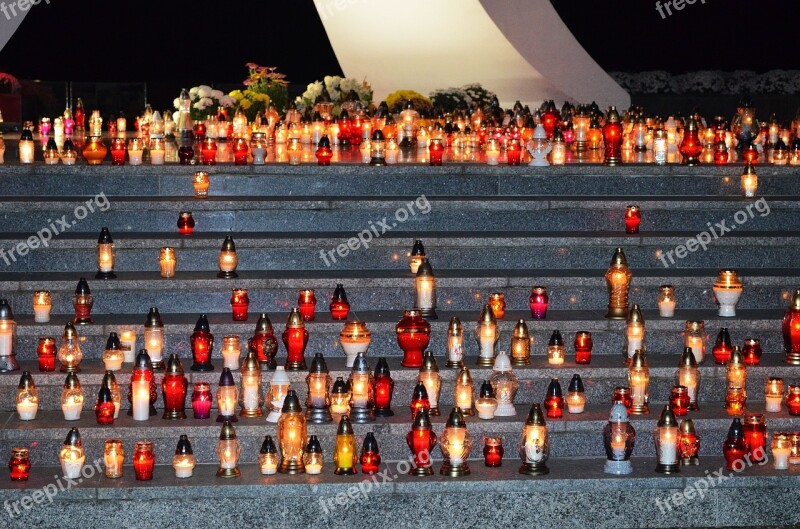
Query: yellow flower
x=237, y=94
x=245, y=104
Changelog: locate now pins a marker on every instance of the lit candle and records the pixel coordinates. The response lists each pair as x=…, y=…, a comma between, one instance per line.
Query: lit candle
x=492, y=152
x=72, y=461
x=183, y=465
x=42, y=304
x=27, y=408
x=618, y=445
x=167, y=261
x=140, y=390
x=135, y=150
x=72, y=407
x=157, y=151
x=231, y=351
x=201, y=184
x=781, y=450
x=668, y=454
x=127, y=339
x=666, y=301
x=773, y=394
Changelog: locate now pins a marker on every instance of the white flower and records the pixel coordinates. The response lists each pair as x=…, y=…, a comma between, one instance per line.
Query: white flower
x=227, y=101
x=204, y=91
x=193, y=92
x=177, y=103
x=217, y=94
x=203, y=103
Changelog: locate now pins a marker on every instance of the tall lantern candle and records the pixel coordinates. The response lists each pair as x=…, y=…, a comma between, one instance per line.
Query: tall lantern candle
x=736, y=370
x=416, y=256
x=429, y=376
x=534, y=445
x=505, y=385
x=113, y=356
x=666, y=439
x=82, y=302
x=688, y=375
x=340, y=397
x=619, y=438
x=264, y=342
x=576, y=395
x=618, y=279
x=339, y=306
x=184, y=461
x=228, y=451
x=295, y=339
x=319, y=381
x=105, y=256
x=278, y=388
x=292, y=433
x=749, y=181
x=421, y=439
x=72, y=398
x=688, y=443
x=110, y=381
x=639, y=382
x=174, y=387
x=426, y=290
x=520, y=345
x=464, y=392
x=142, y=393
x=104, y=406
x=250, y=398
x=72, y=456
x=456, y=444
x=69, y=354
x=695, y=339
x=487, y=334
x=8, y=331
x=345, y=453
x=227, y=397
x=154, y=338
x=612, y=138
x=362, y=397
x=791, y=331
x=228, y=260
x=27, y=397
x=554, y=402
x=384, y=388
x=455, y=343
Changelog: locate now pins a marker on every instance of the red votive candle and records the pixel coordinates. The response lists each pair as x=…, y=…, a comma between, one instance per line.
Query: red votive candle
x=679, y=400
x=240, y=303
x=240, y=152
x=46, y=352
x=493, y=451
x=436, y=150
x=185, y=223
x=20, y=464
x=307, y=303
x=144, y=460
x=201, y=400
x=539, y=301
x=633, y=217
x=751, y=353
x=513, y=152
x=583, y=347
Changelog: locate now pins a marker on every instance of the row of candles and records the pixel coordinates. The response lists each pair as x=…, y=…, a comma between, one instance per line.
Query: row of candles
x=676, y=445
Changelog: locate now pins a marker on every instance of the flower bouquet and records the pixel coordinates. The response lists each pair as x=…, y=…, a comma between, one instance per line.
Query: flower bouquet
x=449, y=99
x=205, y=101
x=397, y=99
x=262, y=86
x=338, y=89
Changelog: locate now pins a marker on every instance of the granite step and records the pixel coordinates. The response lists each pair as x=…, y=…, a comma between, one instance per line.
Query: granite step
x=576, y=493
x=664, y=335
x=600, y=378
x=429, y=213
x=452, y=250
x=571, y=436
x=399, y=180
x=389, y=290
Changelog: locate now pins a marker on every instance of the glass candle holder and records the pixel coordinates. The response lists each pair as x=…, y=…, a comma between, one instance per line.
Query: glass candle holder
x=539, y=301
x=19, y=465
x=751, y=352
x=157, y=151
x=185, y=223
x=493, y=451
x=679, y=400
x=497, y=300
x=42, y=304
x=113, y=458
x=781, y=450
x=167, y=261
x=144, y=460
x=755, y=436
x=583, y=347
x=135, y=151
x=240, y=303
x=46, y=352
x=231, y=351
x=307, y=303
x=622, y=395
x=666, y=301
x=633, y=217
x=201, y=184
x=793, y=399
x=94, y=152
x=118, y=150
x=201, y=400
x=436, y=151
x=208, y=150
x=736, y=401
x=723, y=347
x=773, y=394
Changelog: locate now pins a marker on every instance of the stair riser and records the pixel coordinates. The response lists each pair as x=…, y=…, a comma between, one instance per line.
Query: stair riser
x=570, y=253
x=348, y=180
x=119, y=220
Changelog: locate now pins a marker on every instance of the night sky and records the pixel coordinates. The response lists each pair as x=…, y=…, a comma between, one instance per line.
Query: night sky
x=175, y=43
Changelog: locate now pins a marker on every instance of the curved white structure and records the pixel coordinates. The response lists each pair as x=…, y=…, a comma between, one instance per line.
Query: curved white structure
x=519, y=49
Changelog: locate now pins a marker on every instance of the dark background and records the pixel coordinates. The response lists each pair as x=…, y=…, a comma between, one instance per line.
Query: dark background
x=166, y=45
